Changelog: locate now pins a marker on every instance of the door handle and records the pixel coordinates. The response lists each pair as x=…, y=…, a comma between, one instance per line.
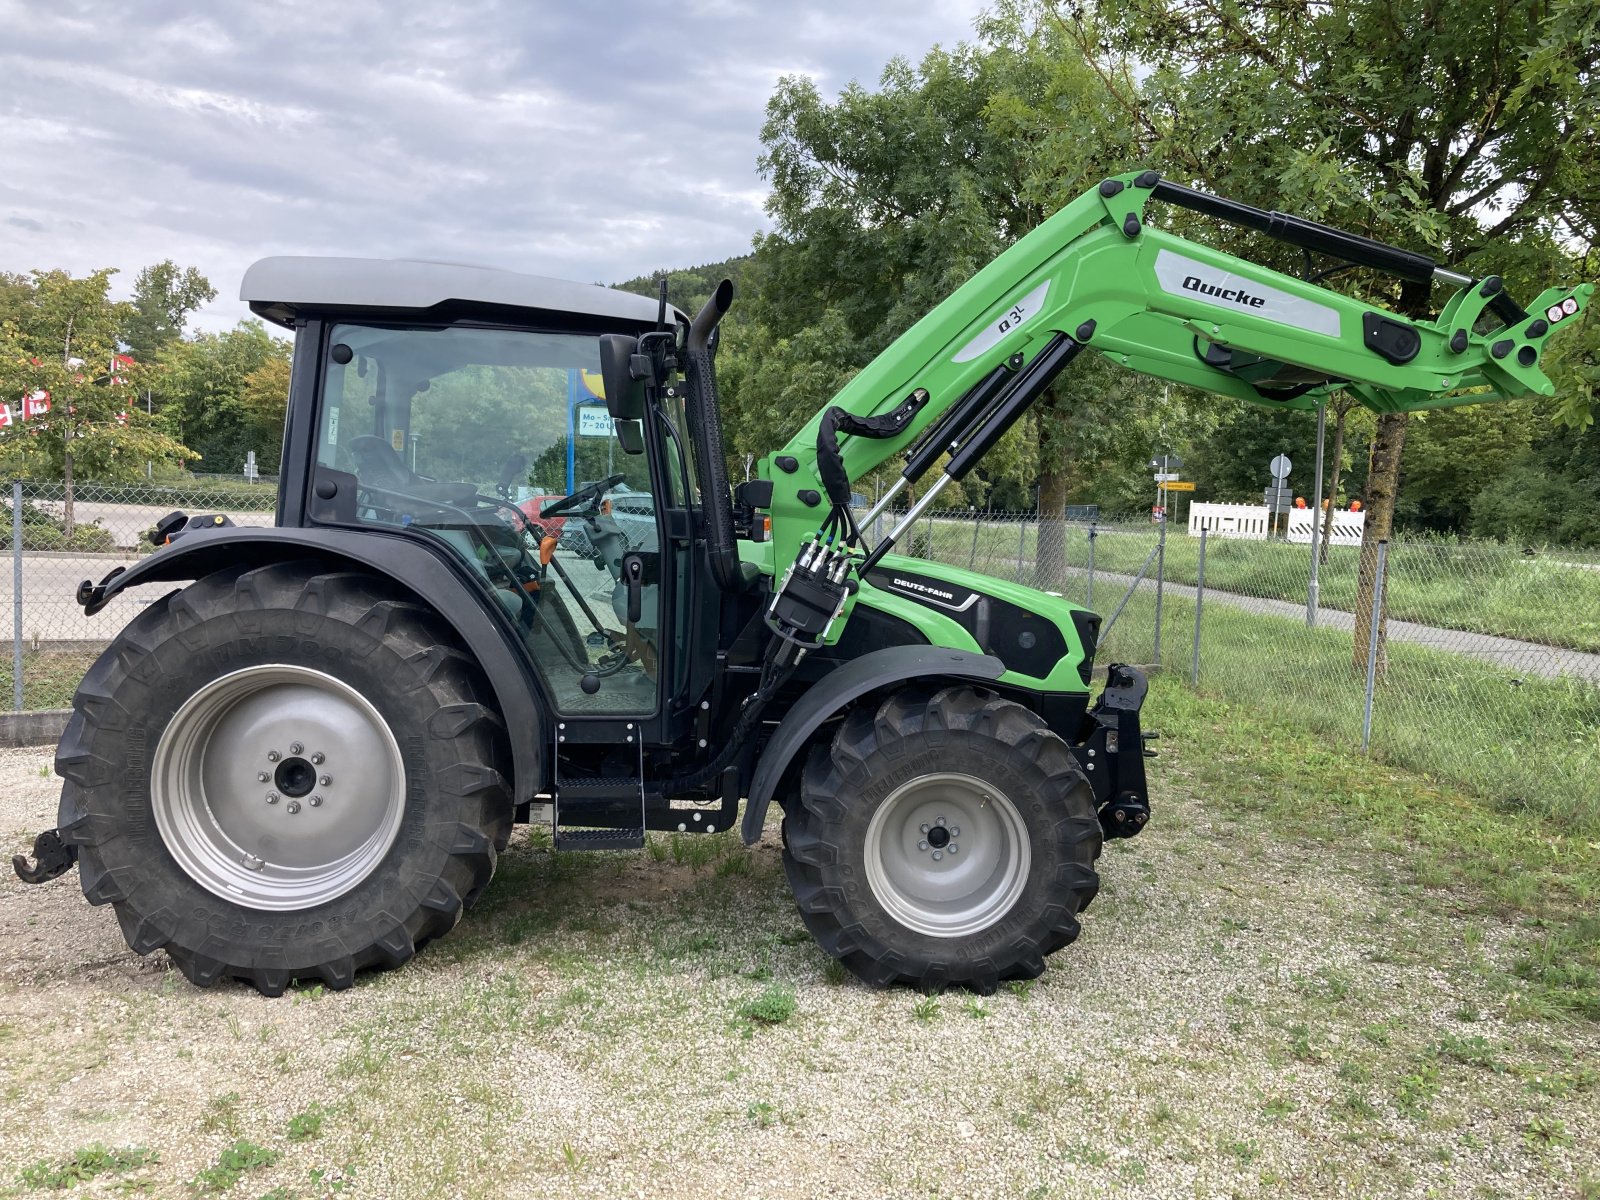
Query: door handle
x=633, y=576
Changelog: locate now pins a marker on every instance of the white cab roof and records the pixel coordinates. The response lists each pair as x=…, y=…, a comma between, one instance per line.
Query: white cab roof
x=278, y=288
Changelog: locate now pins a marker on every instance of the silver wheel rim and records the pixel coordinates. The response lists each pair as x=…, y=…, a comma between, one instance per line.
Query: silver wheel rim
x=925, y=884
x=278, y=787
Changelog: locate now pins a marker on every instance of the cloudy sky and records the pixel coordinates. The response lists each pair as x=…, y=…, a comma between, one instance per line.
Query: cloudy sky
x=591, y=141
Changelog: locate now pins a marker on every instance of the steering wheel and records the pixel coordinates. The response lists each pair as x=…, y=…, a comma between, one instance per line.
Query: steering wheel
x=581, y=498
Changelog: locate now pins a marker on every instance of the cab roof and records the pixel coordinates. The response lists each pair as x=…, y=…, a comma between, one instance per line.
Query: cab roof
x=280, y=288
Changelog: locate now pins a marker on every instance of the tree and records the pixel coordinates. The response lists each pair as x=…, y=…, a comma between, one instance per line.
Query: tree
x=61, y=343
x=225, y=394
x=163, y=298
x=886, y=201
x=1462, y=129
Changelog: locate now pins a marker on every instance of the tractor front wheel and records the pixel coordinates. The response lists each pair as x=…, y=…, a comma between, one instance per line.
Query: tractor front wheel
x=944, y=840
x=284, y=772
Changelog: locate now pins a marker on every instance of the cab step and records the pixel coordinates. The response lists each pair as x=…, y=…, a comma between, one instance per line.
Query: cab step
x=599, y=839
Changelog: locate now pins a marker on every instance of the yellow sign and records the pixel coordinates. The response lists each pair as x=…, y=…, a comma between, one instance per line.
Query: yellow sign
x=1180, y=485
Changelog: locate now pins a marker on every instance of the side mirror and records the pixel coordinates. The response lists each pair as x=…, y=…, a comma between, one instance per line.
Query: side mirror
x=631, y=436
x=624, y=373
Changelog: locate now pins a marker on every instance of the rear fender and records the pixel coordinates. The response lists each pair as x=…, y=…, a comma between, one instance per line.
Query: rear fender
x=425, y=571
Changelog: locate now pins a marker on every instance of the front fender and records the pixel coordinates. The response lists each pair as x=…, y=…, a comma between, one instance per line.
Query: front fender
x=422, y=569
x=870, y=672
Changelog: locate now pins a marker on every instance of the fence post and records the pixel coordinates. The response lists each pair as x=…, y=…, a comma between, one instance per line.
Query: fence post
x=16, y=595
x=1372, y=645
x=977, y=523
x=1088, y=596
x=1199, y=601
x=1022, y=538
x=1161, y=579
x=1313, y=588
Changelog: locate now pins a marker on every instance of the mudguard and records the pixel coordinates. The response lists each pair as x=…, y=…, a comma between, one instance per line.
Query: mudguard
x=878, y=669
x=428, y=572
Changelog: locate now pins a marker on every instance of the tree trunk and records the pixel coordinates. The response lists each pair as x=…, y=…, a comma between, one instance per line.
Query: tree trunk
x=1333, y=479
x=1383, y=483
x=66, y=496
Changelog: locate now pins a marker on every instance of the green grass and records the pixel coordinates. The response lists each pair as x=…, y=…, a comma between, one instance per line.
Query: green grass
x=1526, y=862
x=231, y=1166
x=1520, y=743
x=772, y=1007
x=84, y=1164
x=1481, y=587
x=49, y=677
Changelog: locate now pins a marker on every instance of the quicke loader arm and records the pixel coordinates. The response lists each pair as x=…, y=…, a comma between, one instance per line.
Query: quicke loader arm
x=1097, y=276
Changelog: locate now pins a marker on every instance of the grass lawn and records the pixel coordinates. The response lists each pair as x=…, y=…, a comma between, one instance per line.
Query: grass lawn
x=1517, y=743
x=1552, y=597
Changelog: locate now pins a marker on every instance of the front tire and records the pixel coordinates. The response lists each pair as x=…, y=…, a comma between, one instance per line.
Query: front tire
x=942, y=841
x=383, y=801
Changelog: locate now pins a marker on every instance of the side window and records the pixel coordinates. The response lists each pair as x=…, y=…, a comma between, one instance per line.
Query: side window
x=497, y=444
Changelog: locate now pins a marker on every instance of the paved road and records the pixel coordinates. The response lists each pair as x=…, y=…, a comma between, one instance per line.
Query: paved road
x=128, y=523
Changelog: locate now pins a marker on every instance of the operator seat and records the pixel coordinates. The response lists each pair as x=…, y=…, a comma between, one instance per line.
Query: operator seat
x=380, y=465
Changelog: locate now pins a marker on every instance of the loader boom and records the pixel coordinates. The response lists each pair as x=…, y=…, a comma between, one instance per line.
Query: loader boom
x=1097, y=276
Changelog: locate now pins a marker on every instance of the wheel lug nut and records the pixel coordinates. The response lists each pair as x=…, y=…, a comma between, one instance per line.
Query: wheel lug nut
x=316, y=801
x=937, y=856
x=293, y=807
x=325, y=780
x=262, y=777
x=922, y=845
x=924, y=827
x=317, y=758
x=297, y=748
x=952, y=847
x=938, y=821
x=273, y=756
x=272, y=797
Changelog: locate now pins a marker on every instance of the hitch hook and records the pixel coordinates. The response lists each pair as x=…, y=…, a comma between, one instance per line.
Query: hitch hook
x=51, y=857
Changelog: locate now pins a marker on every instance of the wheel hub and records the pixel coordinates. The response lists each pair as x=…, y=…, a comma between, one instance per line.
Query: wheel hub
x=255, y=818
x=928, y=876
x=295, y=777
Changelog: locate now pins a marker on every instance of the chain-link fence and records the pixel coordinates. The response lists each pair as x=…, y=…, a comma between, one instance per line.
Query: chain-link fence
x=58, y=540
x=1489, y=675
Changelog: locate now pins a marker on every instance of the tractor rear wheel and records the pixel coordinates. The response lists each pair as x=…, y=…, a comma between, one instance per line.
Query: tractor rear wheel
x=944, y=840
x=284, y=773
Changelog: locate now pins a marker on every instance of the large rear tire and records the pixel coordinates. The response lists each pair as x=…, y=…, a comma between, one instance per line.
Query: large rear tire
x=284, y=773
x=942, y=841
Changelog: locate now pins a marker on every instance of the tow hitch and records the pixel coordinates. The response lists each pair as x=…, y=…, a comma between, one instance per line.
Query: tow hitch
x=51, y=857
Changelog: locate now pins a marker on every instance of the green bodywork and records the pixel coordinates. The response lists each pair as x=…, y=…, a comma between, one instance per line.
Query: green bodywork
x=1083, y=265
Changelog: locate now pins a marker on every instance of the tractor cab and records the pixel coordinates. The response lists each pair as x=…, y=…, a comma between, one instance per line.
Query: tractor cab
x=440, y=402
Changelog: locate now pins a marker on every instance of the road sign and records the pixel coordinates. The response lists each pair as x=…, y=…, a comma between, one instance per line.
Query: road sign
x=1175, y=485
x=1166, y=476
x=1166, y=462
x=1279, y=467
x=594, y=422
x=1278, y=499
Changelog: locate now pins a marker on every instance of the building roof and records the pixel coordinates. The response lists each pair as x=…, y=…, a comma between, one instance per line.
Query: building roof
x=278, y=288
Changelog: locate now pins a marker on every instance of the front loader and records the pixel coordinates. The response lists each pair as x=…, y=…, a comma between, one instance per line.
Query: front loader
x=304, y=762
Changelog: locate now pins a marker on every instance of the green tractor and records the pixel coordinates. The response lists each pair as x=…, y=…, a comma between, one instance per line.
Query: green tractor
x=304, y=762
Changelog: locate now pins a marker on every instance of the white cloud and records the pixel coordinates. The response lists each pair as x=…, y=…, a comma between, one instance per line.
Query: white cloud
x=592, y=142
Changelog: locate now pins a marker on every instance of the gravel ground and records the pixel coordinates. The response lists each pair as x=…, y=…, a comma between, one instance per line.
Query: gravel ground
x=1247, y=1014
